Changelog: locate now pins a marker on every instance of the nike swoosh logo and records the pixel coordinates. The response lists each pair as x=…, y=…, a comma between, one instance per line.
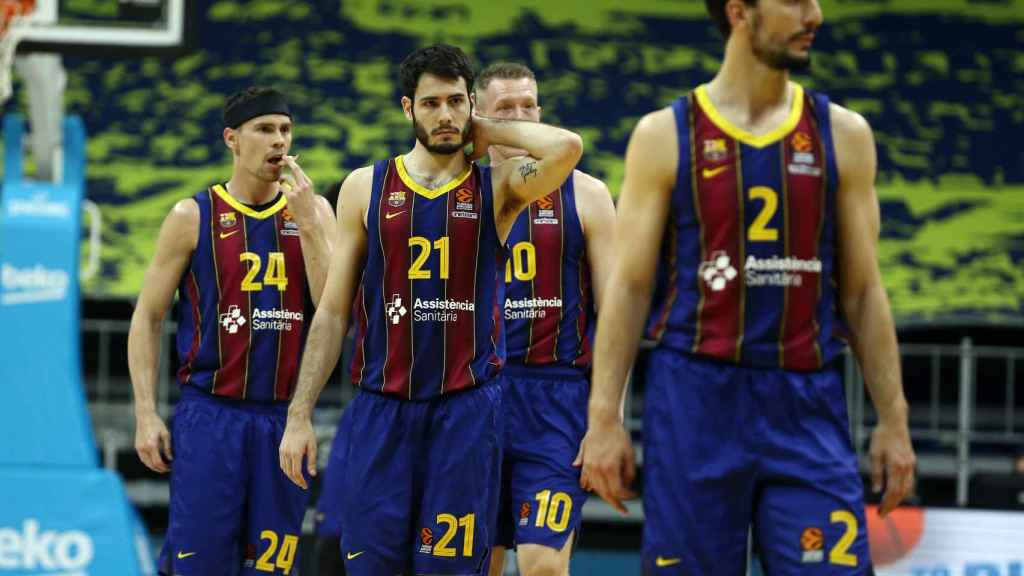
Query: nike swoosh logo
x=351, y=556
x=390, y=215
x=183, y=555
x=712, y=172
x=665, y=562
x=224, y=235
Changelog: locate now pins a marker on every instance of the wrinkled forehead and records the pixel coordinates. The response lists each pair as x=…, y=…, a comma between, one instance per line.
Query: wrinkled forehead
x=511, y=90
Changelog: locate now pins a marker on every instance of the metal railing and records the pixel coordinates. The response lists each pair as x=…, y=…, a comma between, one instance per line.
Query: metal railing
x=948, y=429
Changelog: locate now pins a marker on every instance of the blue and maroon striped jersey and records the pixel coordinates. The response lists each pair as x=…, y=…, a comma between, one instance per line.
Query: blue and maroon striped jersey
x=748, y=263
x=549, y=312
x=242, y=302
x=426, y=314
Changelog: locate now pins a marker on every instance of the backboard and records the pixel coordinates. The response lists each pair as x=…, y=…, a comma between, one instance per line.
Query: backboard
x=133, y=26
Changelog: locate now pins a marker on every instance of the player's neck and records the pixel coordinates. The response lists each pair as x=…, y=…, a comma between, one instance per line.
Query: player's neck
x=747, y=86
x=252, y=191
x=433, y=170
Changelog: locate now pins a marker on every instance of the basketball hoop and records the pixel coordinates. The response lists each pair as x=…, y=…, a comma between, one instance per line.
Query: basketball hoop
x=14, y=19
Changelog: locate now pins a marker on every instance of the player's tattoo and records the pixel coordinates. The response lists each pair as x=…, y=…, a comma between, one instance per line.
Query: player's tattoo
x=528, y=169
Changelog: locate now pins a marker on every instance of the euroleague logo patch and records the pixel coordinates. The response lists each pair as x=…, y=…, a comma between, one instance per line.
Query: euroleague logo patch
x=812, y=542
x=465, y=204
x=546, y=210
x=524, y=514
x=426, y=541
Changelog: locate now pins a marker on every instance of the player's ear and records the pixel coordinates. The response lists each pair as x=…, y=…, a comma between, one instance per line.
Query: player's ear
x=231, y=139
x=407, y=107
x=736, y=12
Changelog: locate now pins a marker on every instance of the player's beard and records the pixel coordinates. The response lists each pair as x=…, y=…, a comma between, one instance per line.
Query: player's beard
x=445, y=149
x=778, y=56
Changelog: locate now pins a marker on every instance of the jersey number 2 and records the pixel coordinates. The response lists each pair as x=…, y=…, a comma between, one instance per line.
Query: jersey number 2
x=759, y=230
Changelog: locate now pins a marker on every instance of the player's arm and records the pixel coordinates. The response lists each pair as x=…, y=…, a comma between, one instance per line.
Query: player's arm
x=597, y=215
x=174, y=247
x=330, y=322
x=865, y=305
x=552, y=154
x=651, y=159
x=317, y=227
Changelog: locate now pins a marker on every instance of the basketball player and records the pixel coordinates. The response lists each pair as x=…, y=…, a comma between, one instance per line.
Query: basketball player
x=246, y=257
x=421, y=238
x=753, y=199
x=560, y=252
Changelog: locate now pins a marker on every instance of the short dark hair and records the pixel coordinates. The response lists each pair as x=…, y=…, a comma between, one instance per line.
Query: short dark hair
x=440, y=60
x=251, y=102
x=716, y=8
x=504, y=71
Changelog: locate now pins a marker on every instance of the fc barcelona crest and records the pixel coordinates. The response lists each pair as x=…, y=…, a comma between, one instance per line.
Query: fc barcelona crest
x=396, y=199
x=715, y=150
x=228, y=220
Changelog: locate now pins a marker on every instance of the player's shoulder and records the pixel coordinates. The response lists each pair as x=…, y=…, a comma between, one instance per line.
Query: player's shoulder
x=185, y=210
x=359, y=177
x=656, y=124
x=848, y=125
x=588, y=186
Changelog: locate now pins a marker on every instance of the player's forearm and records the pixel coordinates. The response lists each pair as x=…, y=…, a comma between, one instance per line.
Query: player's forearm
x=874, y=342
x=541, y=141
x=316, y=255
x=143, y=355
x=619, y=329
x=323, y=347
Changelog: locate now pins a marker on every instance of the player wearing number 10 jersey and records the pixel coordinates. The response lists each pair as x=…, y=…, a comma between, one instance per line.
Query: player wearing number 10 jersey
x=246, y=257
x=760, y=195
x=560, y=251
x=417, y=266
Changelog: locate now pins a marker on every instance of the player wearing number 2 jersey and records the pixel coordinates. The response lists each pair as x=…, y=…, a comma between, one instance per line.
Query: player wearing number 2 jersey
x=246, y=257
x=748, y=210
x=417, y=265
x=559, y=255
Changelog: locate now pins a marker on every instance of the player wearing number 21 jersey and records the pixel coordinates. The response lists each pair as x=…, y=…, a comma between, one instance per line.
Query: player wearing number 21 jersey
x=417, y=272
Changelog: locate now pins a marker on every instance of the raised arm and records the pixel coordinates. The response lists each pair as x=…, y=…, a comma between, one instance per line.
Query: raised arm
x=651, y=160
x=553, y=153
x=179, y=234
x=865, y=305
x=330, y=323
x=317, y=228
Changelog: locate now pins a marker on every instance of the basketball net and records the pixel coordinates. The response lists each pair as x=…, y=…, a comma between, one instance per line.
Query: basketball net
x=14, y=20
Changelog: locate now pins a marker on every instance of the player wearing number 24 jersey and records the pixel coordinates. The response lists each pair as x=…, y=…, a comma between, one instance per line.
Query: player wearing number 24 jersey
x=417, y=271
x=749, y=212
x=247, y=257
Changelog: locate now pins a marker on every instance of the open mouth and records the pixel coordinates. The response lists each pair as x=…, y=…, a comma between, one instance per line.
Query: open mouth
x=276, y=160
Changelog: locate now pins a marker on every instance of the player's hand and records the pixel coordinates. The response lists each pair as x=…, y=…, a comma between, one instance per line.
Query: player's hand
x=299, y=440
x=298, y=189
x=892, y=463
x=608, y=461
x=479, y=131
x=153, y=442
